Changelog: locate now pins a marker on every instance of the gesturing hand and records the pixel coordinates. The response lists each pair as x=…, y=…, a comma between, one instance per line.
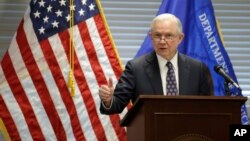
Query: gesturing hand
x=106, y=92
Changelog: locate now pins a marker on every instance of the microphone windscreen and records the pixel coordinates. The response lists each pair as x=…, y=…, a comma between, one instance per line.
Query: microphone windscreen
x=217, y=68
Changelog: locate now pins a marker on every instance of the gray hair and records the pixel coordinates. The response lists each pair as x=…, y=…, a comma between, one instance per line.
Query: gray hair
x=167, y=17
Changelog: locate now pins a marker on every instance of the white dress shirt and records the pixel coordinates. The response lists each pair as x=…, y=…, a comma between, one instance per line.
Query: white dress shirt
x=164, y=69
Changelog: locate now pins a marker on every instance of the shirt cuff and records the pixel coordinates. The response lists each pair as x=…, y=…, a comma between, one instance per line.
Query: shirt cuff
x=105, y=107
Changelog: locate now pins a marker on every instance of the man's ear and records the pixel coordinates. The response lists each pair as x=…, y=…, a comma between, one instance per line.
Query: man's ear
x=150, y=34
x=181, y=37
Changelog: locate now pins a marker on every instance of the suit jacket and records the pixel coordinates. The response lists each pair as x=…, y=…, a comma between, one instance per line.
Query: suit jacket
x=142, y=76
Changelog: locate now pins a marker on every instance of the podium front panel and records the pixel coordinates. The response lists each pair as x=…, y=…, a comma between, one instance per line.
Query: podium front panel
x=158, y=118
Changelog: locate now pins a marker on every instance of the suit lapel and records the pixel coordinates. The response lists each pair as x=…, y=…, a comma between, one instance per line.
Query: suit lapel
x=152, y=70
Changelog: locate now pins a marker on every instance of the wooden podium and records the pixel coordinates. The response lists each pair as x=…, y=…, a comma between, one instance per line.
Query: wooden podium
x=182, y=118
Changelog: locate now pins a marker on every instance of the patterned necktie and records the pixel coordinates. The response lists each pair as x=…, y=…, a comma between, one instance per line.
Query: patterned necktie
x=171, y=81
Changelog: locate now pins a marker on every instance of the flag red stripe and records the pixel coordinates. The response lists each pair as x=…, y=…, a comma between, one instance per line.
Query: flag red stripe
x=99, y=74
x=63, y=88
x=84, y=89
x=21, y=98
x=8, y=120
x=113, y=59
x=40, y=85
x=90, y=50
x=110, y=51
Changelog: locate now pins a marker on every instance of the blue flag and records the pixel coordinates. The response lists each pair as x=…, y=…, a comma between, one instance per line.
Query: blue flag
x=202, y=40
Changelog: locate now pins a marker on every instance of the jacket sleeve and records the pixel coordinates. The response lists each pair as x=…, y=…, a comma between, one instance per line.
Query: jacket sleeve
x=123, y=93
x=206, y=87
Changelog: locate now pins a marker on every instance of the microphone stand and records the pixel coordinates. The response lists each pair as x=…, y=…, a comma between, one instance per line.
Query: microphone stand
x=227, y=87
x=227, y=90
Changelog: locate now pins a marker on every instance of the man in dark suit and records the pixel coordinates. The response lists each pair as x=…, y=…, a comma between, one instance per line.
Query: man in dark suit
x=148, y=75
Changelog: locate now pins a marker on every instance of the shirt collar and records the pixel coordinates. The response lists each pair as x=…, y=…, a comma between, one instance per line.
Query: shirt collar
x=162, y=61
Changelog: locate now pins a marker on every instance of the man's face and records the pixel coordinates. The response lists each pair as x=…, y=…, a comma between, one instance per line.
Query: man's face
x=166, y=38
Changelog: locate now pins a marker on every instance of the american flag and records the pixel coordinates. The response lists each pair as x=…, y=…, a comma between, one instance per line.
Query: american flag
x=35, y=100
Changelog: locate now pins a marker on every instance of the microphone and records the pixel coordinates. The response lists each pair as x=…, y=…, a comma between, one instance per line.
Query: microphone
x=218, y=69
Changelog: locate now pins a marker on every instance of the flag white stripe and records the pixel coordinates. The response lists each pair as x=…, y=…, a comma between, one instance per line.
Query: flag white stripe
x=56, y=47
x=89, y=75
x=77, y=99
x=49, y=80
x=91, y=80
x=88, y=72
x=54, y=93
x=15, y=111
x=83, y=60
x=102, y=56
x=99, y=49
x=30, y=91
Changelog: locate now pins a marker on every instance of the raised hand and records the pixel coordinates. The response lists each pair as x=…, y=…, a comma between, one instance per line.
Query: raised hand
x=106, y=93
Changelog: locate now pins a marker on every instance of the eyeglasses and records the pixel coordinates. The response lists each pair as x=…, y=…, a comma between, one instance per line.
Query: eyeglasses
x=168, y=37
